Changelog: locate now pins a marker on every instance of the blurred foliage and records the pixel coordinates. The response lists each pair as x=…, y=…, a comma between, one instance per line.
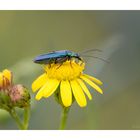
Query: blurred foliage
x=25, y=34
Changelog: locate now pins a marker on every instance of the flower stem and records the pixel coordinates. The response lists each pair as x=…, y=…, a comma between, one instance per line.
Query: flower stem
x=21, y=125
x=17, y=119
x=64, y=117
x=26, y=117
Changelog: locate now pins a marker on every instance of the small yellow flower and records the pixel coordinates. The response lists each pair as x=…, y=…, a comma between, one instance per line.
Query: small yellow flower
x=70, y=80
x=5, y=79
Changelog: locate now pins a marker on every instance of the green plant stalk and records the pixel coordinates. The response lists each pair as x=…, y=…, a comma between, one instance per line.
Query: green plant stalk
x=17, y=119
x=21, y=125
x=26, y=117
x=64, y=117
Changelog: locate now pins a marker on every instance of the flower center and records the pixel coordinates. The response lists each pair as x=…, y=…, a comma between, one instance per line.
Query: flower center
x=66, y=71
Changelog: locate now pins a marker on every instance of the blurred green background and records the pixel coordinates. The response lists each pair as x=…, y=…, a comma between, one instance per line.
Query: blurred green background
x=26, y=34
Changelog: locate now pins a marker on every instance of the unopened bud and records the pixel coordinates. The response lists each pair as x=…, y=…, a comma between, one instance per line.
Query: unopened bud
x=20, y=96
x=5, y=79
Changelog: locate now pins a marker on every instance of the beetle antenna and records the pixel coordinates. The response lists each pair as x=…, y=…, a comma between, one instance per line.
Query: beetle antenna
x=89, y=50
x=96, y=58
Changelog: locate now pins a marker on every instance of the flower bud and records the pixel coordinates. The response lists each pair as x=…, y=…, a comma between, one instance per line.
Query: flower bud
x=5, y=79
x=20, y=96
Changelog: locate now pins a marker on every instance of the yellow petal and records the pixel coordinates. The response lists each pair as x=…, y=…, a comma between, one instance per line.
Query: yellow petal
x=39, y=94
x=1, y=79
x=66, y=94
x=50, y=87
x=97, y=81
x=78, y=93
x=39, y=82
x=7, y=74
x=97, y=88
x=85, y=89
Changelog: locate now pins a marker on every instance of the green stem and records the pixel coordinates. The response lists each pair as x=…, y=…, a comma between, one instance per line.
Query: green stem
x=24, y=125
x=64, y=117
x=26, y=117
x=17, y=119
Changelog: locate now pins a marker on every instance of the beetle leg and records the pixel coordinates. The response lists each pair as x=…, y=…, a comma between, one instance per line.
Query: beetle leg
x=61, y=61
x=59, y=65
x=71, y=64
x=55, y=61
x=80, y=59
x=49, y=63
x=69, y=59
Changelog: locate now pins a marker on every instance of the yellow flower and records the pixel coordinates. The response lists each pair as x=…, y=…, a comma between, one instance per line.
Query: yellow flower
x=70, y=80
x=5, y=79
